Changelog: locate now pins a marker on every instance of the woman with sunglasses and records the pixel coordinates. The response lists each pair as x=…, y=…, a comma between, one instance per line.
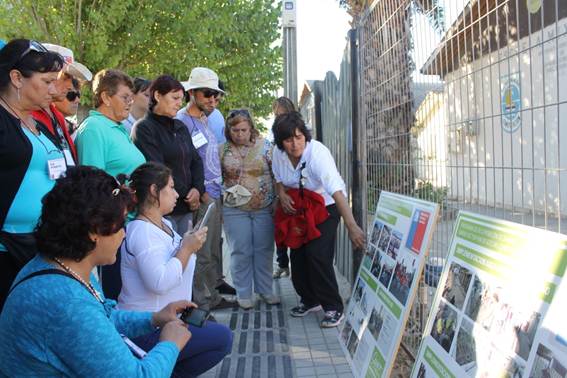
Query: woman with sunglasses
x=29, y=160
x=69, y=105
x=56, y=321
x=103, y=142
x=247, y=211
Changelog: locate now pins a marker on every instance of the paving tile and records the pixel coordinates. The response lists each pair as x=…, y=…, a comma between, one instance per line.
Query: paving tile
x=304, y=371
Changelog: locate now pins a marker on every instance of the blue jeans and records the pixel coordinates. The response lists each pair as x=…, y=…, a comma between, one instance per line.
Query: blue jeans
x=206, y=348
x=250, y=237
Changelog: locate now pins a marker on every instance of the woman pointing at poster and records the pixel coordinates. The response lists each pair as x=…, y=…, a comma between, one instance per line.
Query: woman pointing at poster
x=304, y=168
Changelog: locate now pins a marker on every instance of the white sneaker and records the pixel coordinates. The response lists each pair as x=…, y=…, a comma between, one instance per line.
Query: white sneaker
x=281, y=272
x=246, y=304
x=270, y=299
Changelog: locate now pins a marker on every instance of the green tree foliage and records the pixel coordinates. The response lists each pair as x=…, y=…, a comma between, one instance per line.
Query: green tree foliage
x=236, y=38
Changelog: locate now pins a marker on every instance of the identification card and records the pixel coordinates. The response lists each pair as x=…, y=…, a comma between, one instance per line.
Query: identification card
x=68, y=158
x=199, y=140
x=56, y=167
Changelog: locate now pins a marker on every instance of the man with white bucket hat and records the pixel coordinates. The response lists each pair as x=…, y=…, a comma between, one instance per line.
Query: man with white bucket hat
x=203, y=87
x=50, y=119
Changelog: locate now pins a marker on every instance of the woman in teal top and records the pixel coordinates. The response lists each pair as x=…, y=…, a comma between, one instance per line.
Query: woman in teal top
x=57, y=322
x=27, y=75
x=102, y=141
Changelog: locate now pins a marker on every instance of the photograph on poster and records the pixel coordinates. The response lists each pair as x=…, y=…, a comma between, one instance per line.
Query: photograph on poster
x=425, y=371
x=483, y=302
x=443, y=329
x=358, y=290
x=394, y=246
x=346, y=331
x=384, y=238
x=387, y=333
x=352, y=344
x=375, y=267
x=403, y=279
x=457, y=284
x=361, y=352
x=375, y=237
x=465, y=351
x=376, y=321
x=492, y=363
x=546, y=365
x=386, y=271
x=515, y=330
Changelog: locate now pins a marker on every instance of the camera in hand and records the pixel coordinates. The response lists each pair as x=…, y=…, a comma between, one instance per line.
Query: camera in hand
x=194, y=316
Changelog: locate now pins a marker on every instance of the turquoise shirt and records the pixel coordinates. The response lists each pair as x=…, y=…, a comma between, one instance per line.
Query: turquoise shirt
x=25, y=209
x=51, y=325
x=106, y=144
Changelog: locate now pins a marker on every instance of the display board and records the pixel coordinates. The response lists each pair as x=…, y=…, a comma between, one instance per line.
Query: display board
x=386, y=283
x=499, y=310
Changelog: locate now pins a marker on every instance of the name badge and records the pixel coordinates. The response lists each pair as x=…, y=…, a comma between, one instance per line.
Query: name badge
x=199, y=140
x=68, y=158
x=56, y=167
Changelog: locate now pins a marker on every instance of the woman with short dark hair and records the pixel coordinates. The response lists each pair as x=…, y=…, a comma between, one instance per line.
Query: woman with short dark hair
x=56, y=321
x=30, y=160
x=300, y=162
x=164, y=139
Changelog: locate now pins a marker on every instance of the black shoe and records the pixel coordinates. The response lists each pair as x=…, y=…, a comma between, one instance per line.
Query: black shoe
x=332, y=319
x=224, y=304
x=226, y=289
x=302, y=310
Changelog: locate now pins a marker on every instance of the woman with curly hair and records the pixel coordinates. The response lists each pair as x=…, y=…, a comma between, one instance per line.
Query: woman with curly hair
x=56, y=321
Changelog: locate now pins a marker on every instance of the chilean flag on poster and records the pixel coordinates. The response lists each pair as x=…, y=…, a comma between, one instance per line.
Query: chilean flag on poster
x=417, y=230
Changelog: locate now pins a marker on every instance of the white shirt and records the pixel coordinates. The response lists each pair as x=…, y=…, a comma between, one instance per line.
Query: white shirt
x=320, y=173
x=128, y=123
x=152, y=276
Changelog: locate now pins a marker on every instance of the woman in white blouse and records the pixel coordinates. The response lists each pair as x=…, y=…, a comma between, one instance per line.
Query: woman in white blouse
x=158, y=265
x=299, y=158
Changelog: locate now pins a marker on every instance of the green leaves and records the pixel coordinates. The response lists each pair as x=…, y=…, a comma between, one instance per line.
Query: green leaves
x=235, y=38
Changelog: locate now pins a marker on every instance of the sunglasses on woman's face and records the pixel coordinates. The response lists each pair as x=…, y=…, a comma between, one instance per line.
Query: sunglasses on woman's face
x=72, y=95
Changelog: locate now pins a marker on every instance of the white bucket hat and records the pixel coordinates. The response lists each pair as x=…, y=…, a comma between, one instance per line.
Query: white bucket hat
x=72, y=67
x=202, y=77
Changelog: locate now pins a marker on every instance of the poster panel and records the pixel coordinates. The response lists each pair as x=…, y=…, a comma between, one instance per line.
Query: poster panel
x=386, y=283
x=499, y=307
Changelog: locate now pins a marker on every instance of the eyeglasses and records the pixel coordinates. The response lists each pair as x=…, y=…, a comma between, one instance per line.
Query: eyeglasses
x=34, y=46
x=126, y=99
x=237, y=112
x=72, y=95
x=208, y=93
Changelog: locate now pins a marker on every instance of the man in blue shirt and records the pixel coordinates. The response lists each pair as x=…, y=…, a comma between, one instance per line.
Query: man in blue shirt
x=216, y=119
x=203, y=87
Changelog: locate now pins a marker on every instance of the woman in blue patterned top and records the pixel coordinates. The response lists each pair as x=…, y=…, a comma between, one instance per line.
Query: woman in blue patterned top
x=56, y=321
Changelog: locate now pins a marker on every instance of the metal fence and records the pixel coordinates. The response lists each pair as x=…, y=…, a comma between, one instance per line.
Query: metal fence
x=463, y=103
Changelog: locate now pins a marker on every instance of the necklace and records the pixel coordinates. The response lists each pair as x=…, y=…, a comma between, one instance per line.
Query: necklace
x=161, y=226
x=33, y=130
x=78, y=278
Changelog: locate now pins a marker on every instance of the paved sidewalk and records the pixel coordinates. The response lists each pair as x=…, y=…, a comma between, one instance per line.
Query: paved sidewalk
x=268, y=342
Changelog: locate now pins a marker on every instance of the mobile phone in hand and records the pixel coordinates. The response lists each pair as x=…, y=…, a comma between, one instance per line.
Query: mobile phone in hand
x=203, y=221
x=194, y=316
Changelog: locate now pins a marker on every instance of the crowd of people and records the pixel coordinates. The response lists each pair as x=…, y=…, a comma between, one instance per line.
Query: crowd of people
x=98, y=253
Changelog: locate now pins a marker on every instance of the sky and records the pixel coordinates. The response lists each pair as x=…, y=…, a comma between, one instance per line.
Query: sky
x=322, y=28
